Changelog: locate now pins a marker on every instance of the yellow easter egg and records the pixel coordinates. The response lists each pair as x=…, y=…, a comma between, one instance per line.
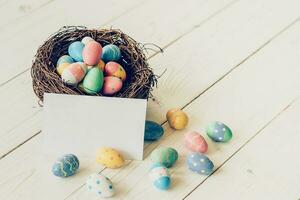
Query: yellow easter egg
x=101, y=65
x=109, y=158
x=177, y=119
x=61, y=67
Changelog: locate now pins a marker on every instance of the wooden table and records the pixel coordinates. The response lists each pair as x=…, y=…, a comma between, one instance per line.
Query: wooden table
x=237, y=61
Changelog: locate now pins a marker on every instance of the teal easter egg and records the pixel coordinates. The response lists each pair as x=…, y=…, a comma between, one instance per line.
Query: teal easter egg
x=153, y=131
x=66, y=166
x=93, y=81
x=160, y=176
x=199, y=163
x=75, y=51
x=64, y=59
x=219, y=132
x=111, y=53
x=166, y=156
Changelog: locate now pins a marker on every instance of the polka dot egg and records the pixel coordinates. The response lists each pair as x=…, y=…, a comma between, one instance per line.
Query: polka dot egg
x=66, y=166
x=100, y=185
x=219, y=132
x=109, y=158
x=200, y=163
x=160, y=176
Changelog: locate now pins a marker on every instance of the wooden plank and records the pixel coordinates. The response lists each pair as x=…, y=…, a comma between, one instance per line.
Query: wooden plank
x=23, y=131
x=245, y=105
x=266, y=168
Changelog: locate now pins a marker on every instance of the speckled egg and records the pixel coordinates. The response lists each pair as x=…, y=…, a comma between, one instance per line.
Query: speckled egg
x=109, y=157
x=75, y=51
x=64, y=59
x=93, y=81
x=115, y=69
x=195, y=142
x=166, y=156
x=199, y=163
x=73, y=74
x=91, y=53
x=112, y=85
x=111, y=53
x=160, y=176
x=66, y=166
x=61, y=67
x=100, y=185
x=86, y=40
x=177, y=119
x=219, y=132
x=153, y=131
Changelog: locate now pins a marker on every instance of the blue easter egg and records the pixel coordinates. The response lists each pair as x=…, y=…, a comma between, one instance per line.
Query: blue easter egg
x=219, y=132
x=66, y=166
x=75, y=51
x=160, y=176
x=200, y=163
x=65, y=59
x=111, y=53
x=153, y=131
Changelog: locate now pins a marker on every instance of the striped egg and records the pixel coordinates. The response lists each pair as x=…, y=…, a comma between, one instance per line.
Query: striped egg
x=166, y=156
x=112, y=85
x=91, y=53
x=195, y=142
x=219, y=132
x=66, y=166
x=111, y=53
x=115, y=69
x=74, y=73
x=100, y=185
x=160, y=176
x=86, y=40
x=64, y=59
x=199, y=163
x=75, y=51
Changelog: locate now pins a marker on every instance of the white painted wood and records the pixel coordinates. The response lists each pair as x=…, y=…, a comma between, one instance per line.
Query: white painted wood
x=247, y=99
x=23, y=82
x=267, y=168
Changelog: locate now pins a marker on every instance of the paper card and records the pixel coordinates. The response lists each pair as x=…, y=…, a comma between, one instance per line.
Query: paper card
x=81, y=124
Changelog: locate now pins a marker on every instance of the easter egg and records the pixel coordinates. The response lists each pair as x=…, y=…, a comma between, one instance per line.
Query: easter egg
x=75, y=51
x=64, y=59
x=101, y=65
x=200, y=163
x=153, y=131
x=61, y=67
x=111, y=53
x=195, y=142
x=66, y=166
x=112, y=85
x=160, y=176
x=91, y=53
x=93, y=81
x=73, y=74
x=100, y=185
x=115, y=69
x=219, y=132
x=177, y=119
x=86, y=40
x=166, y=156
x=109, y=158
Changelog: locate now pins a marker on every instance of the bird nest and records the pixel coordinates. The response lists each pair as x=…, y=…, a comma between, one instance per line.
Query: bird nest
x=140, y=77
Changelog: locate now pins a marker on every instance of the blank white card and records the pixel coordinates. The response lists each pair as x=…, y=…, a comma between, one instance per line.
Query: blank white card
x=81, y=124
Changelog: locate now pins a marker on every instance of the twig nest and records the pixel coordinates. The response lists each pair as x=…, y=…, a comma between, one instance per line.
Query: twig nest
x=177, y=119
x=73, y=44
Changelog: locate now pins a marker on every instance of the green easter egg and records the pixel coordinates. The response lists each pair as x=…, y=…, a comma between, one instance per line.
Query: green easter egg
x=219, y=132
x=93, y=81
x=166, y=156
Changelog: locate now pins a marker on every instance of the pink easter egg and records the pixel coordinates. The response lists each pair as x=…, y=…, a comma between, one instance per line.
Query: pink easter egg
x=115, y=69
x=195, y=142
x=112, y=85
x=73, y=74
x=92, y=52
